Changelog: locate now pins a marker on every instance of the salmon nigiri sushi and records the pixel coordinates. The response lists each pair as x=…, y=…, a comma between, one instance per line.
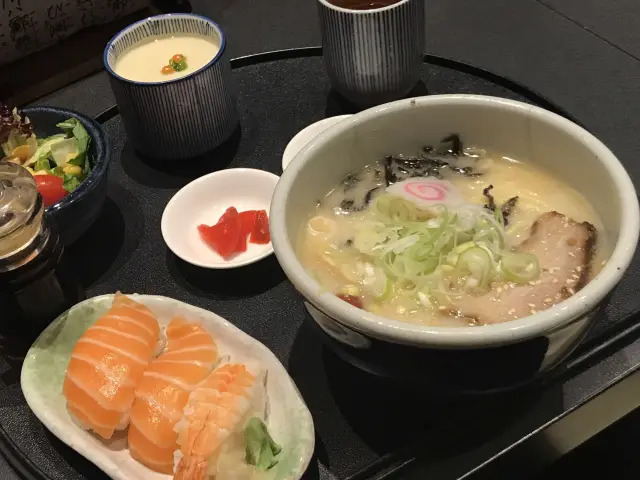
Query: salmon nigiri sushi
x=190, y=356
x=222, y=434
x=107, y=364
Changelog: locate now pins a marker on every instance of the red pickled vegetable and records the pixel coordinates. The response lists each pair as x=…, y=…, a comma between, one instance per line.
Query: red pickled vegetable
x=352, y=299
x=230, y=212
x=242, y=236
x=260, y=233
x=247, y=221
x=229, y=235
x=241, y=246
x=223, y=236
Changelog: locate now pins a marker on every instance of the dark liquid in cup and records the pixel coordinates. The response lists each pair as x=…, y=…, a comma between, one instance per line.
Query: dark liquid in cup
x=363, y=4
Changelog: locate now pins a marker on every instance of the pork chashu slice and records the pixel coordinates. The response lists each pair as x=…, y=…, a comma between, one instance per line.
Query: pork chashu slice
x=564, y=249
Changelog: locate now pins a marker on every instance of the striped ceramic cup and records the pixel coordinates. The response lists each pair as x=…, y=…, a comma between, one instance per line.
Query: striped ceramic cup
x=373, y=56
x=182, y=117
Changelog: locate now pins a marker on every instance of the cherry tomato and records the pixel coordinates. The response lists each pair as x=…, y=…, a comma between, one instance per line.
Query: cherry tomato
x=167, y=70
x=352, y=299
x=260, y=232
x=223, y=237
x=50, y=187
x=178, y=57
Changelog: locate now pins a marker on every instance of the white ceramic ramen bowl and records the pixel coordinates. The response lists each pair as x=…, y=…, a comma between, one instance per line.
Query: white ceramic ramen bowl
x=466, y=358
x=178, y=118
x=203, y=201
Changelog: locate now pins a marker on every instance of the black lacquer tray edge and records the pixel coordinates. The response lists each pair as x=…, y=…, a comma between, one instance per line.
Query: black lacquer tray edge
x=392, y=463
x=621, y=334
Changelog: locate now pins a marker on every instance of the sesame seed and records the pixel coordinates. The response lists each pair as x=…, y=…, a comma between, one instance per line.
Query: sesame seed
x=570, y=281
x=555, y=280
x=577, y=277
x=532, y=305
x=512, y=311
x=548, y=300
x=533, y=311
x=571, y=291
x=499, y=289
x=571, y=254
x=579, y=268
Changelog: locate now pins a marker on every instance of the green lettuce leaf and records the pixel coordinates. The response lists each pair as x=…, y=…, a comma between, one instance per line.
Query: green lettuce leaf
x=57, y=171
x=82, y=137
x=69, y=182
x=65, y=151
x=73, y=128
x=42, y=163
x=68, y=126
x=44, y=150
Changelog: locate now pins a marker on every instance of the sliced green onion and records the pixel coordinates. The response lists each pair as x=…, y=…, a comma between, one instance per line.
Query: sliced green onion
x=520, y=267
x=452, y=256
x=377, y=283
x=396, y=209
x=406, y=287
x=411, y=250
x=475, y=262
x=425, y=300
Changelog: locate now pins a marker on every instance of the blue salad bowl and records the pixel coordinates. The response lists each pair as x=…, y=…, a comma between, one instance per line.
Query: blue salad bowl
x=75, y=213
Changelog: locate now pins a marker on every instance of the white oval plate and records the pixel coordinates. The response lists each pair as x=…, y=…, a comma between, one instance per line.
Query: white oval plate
x=204, y=201
x=305, y=135
x=45, y=366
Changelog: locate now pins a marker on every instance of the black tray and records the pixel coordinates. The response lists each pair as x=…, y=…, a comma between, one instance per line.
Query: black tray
x=279, y=94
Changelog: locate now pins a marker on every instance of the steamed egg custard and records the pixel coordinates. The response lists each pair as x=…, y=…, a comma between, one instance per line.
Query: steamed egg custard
x=452, y=237
x=159, y=59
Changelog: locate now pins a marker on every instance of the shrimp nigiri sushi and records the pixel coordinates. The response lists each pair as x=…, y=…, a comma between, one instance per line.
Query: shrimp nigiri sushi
x=107, y=363
x=222, y=434
x=190, y=356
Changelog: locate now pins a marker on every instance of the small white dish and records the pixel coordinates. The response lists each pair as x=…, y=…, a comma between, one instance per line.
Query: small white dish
x=305, y=135
x=45, y=366
x=203, y=201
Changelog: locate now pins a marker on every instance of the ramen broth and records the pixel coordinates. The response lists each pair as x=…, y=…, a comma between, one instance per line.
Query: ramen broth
x=145, y=61
x=330, y=247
